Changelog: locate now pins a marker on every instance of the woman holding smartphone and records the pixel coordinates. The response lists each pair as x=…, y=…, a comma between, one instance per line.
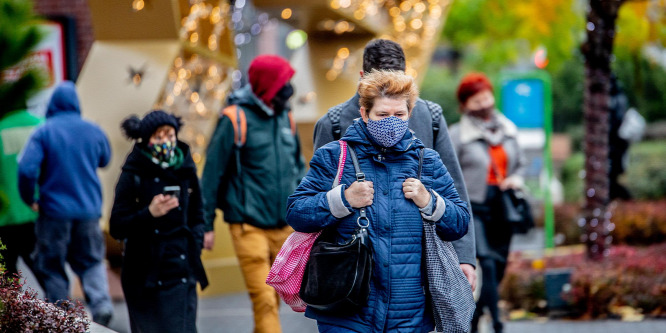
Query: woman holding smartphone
x=158, y=214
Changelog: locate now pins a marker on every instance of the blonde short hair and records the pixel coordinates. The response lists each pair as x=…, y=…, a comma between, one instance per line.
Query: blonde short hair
x=387, y=84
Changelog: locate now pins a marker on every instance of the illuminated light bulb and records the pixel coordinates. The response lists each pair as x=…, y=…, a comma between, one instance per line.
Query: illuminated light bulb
x=182, y=73
x=435, y=12
x=331, y=75
x=345, y=3
x=394, y=11
x=335, y=4
x=194, y=97
x=215, y=15
x=343, y=53
x=338, y=63
x=419, y=7
x=212, y=43
x=194, y=37
x=359, y=14
x=416, y=24
x=286, y=13
x=138, y=5
x=400, y=26
x=178, y=62
x=201, y=108
x=172, y=76
x=212, y=71
x=405, y=6
x=341, y=27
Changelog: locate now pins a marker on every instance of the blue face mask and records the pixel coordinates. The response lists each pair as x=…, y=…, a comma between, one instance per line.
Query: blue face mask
x=388, y=131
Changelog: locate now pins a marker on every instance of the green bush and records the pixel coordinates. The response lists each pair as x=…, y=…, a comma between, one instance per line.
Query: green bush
x=645, y=176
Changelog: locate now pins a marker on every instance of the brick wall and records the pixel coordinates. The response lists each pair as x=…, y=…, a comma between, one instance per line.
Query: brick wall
x=79, y=10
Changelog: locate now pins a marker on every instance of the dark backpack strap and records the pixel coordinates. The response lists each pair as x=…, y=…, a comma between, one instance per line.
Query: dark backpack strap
x=436, y=114
x=362, y=221
x=421, y=152
x=334, y=115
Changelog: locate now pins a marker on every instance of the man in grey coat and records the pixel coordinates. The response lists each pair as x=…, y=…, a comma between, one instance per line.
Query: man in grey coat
x=427, y=123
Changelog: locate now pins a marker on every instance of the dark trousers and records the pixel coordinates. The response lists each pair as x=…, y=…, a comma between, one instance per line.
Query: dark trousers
x=163, y=310
x=81, y=244
x=19, y=241
x=493, y=237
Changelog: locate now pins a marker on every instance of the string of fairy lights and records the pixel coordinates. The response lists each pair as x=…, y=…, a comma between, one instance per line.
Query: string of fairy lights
x=198, y=81
x=413, y=23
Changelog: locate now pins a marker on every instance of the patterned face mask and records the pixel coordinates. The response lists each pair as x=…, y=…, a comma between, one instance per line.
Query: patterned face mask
x=388, y=131
x=162, y=152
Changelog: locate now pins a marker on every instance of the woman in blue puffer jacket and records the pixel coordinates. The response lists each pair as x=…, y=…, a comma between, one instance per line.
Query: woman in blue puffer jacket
x=396, y=201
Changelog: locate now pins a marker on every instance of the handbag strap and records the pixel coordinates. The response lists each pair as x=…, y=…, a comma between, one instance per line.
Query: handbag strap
x=360, y=177
x=341, y=163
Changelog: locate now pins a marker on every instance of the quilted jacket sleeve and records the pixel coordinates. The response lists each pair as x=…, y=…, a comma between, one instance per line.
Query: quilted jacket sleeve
x=451, y=214
x=314, y=205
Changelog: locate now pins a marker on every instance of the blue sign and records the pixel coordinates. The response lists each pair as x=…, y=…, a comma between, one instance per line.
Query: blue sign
x=523, y=102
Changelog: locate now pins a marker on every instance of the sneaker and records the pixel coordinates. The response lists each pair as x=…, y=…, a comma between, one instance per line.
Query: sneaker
x=103, y=318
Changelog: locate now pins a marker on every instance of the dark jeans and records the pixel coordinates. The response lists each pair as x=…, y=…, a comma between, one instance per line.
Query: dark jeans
x=19, y=241
x=81, y=244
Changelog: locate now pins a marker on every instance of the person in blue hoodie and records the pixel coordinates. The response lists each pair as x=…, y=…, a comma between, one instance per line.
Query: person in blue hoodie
x=58, y=178
x=397, y=203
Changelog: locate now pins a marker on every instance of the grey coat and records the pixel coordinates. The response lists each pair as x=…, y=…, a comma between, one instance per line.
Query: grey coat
x=474, y=156
x=421, y=123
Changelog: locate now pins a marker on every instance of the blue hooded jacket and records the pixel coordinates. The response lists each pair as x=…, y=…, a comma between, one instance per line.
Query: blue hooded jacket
x=397, y=301
x=62, y=158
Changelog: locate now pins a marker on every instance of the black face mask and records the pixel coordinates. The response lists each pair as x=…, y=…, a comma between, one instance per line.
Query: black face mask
x=483, y=113
x=281, y=99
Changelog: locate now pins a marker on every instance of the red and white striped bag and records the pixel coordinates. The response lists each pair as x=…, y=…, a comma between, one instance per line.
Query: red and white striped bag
x=286, y=273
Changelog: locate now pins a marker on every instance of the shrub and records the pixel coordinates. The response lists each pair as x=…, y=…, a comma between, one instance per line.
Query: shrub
x=645, y=176
x=636, y=222
x=22, y=311
x=628, y=277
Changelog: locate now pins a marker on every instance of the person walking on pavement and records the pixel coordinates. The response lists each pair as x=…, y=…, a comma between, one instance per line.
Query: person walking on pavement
x=251, y=180
x=17, y=220
x=158, y=213
x=491, y=160
x=427, y=123
x=61, y=160
x=397, y=203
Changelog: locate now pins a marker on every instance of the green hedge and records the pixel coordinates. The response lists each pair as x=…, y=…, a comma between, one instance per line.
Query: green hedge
x=645, y=176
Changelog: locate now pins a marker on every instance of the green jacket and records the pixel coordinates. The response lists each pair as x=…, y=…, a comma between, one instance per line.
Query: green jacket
x=15, y=129
x=255, y=188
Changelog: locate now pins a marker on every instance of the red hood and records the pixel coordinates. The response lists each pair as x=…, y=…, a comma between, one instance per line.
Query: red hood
x=267, y=75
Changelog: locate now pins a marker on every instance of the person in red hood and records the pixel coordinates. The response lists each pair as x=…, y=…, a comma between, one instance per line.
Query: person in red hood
x=253, y=164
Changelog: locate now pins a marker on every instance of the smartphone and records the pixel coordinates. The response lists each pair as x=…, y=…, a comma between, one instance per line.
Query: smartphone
x=173, y=191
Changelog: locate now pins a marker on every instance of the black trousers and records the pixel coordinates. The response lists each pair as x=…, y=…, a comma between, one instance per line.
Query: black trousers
x=493, y=237
x=162, y=310
x=19, y=241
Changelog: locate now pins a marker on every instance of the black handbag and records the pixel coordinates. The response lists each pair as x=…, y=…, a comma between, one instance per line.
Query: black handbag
x=515, y=207
x=337, y=276
x=517, y=211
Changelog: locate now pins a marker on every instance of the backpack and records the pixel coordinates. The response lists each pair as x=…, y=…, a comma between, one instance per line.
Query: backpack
x=335, y=112
x=238, y=120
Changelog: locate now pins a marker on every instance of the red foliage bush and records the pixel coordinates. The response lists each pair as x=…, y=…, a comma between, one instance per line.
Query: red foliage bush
x=636, y=222
x=630, y=276
x=21, y=311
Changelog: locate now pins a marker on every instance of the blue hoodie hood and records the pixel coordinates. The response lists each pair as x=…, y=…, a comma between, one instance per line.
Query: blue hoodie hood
x=64, y=100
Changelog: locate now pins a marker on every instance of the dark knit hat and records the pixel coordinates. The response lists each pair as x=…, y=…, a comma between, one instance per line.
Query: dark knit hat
x=143, y=129
x=267, y=75
x=472, y=84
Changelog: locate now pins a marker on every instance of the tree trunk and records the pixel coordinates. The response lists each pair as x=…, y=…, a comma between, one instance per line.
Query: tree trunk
x=598, y=50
